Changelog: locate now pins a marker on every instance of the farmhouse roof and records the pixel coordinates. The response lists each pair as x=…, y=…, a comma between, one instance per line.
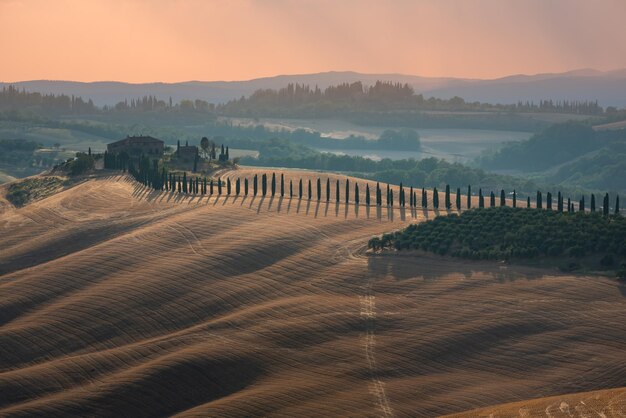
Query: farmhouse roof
x=136, y=140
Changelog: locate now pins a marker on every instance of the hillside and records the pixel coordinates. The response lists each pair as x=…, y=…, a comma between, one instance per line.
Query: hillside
x=117, y=300
x=606, y=87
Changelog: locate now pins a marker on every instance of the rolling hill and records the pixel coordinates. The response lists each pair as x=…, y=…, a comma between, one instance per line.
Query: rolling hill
x=609, y=88
x=120, y=301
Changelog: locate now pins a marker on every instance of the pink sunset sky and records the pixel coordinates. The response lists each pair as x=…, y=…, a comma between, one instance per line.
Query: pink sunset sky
x=178, y=40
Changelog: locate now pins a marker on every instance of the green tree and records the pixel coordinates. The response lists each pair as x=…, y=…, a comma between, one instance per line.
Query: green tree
x=367, y=194
x=245, y=186
x=435, y=198
x=502, y=198
x=282, y=185
x=448, y=202
x=310, y=191
x=264, y=185
x=300, y=189
x=617, y=204
x=327, y=189
x=319, y=189
x=593, y=202
x=219, y=186
x=347, y=191
x=481, y=199
x=228, y=186
x=255, y=184
x=273, y=184
x=337, y=191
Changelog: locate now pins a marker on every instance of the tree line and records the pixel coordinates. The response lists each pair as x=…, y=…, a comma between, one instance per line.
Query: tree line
x=150, y=175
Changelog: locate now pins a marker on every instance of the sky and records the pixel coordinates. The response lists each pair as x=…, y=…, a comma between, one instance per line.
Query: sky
x=180, y=40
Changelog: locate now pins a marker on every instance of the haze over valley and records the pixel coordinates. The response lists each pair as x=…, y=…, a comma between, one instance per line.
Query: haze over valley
x=398, y=209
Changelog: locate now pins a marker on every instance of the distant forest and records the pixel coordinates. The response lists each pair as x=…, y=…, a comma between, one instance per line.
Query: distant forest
x=294, y=99
x=297, y=99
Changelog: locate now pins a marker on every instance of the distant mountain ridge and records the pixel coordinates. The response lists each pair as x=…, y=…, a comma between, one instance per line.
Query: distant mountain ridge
x=608, y=88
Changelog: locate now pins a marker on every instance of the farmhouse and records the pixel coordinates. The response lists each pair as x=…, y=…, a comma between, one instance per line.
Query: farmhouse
x=135, y=146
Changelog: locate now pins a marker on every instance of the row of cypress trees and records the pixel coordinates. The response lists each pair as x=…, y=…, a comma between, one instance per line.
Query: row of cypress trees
x=161, y=180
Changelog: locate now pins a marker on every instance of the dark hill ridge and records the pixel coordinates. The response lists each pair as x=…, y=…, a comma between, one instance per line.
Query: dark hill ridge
x=609, y=88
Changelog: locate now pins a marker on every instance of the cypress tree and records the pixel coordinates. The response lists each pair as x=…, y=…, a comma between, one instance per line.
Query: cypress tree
x=448, y=202
x=390, y=197
x=481, y=199
x=570, y=205
x=559, y=202
x=337, y=191
x=211, y=187
x=255, y=184
x=264, y=184
x=273, y=184
x=435, y=198
x=528, y=201
x=290, y=189
x=411, y=202
x=379, y=195
x=605, y=205
x=282, y=185
x=237, y=187
x=469, y=196
x=617, y=204
x=347, y=191
x=367, y=194
x=458, y=198
x=549, y=201
x=185, y=182
x=300, y=189
x=197, y=184
x=245, y=186
x=204, y=185
x=402, y=198
x=310, y=191
x=593, y=203
x=400, y=195
x=319, y=189
x=327, y=189
x=514, y=198
x=228, y=186
x=356, y=193
x=539, y=203
x=219, y=186
x=424, y=198
x=415, y=199
x=581, y=205
x=492, y=199
x=502, y=198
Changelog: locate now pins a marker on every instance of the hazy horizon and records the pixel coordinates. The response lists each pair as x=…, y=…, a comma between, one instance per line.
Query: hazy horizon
x=138, y=41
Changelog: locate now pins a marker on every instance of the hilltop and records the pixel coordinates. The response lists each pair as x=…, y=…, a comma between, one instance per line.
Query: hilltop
x=119, y=299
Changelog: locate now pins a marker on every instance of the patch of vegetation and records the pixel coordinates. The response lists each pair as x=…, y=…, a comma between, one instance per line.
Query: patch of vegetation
x=568, y=240
x=33, y=189
x=554, y=145
x=81, y=164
